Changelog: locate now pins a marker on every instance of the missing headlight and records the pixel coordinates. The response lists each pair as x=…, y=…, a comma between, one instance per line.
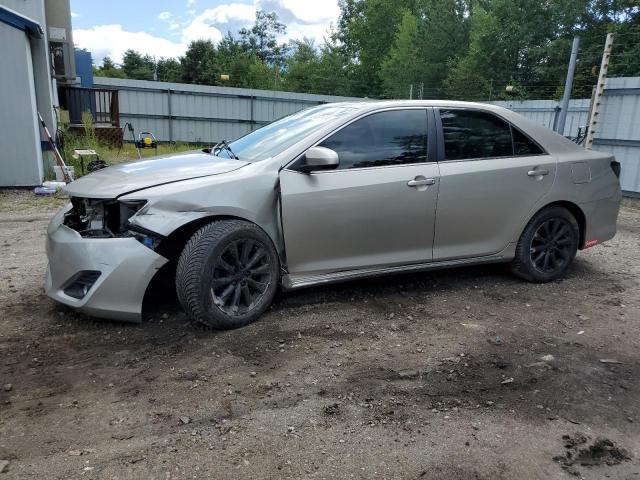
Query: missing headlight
x=100, y=218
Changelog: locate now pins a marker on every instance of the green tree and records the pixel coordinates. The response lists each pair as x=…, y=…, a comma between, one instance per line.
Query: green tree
x=199, y=64
x=442, y=36
x=302, y=67
x=400, y=68
x=261, y=39
x=333, y=70
x=367, y=29
x=138, y=66
x=168, y=70
x=108, y=69
x=244, y=68
x=506, y=40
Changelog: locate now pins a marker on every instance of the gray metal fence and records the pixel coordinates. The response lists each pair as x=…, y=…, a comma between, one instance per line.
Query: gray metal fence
x=618, y=129
x=546, y=112
x=201, y=114
x=197, y=113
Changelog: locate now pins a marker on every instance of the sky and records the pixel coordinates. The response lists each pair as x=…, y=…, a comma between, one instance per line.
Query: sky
x=164, y=28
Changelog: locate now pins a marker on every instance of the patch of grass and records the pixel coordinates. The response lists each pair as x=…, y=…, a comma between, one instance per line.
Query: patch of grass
x=106, y=152
x=113, y=156
x=631, y=202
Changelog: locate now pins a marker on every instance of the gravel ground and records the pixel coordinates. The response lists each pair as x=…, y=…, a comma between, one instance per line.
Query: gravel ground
x=459, y=374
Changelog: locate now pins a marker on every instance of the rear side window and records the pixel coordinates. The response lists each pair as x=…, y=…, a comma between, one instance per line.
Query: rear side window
x=523, y=146
x=471, y=135
x=395, y=137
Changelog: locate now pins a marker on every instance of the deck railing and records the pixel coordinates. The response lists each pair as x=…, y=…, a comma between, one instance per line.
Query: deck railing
x=101, y=102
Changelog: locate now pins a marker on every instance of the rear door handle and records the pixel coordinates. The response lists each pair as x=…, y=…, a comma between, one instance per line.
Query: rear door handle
x=421, y=182
x=536, y=172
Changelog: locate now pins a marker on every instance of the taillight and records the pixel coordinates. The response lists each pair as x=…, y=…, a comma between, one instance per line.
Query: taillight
x=615, y=166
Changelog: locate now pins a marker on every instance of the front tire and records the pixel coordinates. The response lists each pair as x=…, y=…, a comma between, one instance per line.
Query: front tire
x=227, y=274
x=547, y=246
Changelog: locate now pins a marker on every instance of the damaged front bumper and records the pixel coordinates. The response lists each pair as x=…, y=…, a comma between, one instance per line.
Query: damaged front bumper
x=102, y=277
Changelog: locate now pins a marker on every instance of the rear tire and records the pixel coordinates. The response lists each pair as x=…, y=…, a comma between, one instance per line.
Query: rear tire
x=227, y=274
x=547, y=246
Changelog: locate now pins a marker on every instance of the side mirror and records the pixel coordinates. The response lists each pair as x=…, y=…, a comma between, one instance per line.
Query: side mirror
x=319, y=158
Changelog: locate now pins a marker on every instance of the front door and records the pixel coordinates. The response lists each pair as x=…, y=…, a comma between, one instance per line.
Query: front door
x=376, y=209
x=492, y=175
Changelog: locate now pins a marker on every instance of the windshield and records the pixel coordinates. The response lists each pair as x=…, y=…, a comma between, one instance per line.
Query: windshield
x=277, y=136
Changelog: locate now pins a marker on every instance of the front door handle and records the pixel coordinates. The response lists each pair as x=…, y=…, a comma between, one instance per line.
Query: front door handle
x=419, y=182
x=537, y=172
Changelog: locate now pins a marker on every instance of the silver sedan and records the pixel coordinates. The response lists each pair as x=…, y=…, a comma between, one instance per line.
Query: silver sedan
x=331, y=193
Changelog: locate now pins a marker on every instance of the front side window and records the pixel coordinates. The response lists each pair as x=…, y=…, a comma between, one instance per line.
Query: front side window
x=395, y=137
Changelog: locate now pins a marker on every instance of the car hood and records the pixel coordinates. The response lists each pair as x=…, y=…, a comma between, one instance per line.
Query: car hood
x=117, y=180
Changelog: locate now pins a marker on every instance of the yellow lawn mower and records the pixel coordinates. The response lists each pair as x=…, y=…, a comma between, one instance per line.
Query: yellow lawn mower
x=147, y=140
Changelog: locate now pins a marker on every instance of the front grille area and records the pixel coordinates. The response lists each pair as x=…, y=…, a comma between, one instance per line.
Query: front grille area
x=82, y=283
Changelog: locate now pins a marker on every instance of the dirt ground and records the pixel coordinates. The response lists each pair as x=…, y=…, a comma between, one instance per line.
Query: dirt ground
x=458, y=374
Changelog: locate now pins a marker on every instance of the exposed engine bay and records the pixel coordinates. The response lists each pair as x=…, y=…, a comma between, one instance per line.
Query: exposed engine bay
x=100, y=218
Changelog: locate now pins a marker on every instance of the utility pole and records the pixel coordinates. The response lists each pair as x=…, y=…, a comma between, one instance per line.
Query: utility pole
x=599, y=92
x=568, y=85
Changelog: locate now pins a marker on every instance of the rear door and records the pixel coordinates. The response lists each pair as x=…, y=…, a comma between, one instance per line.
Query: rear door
x=376, y=209
x=491, y=175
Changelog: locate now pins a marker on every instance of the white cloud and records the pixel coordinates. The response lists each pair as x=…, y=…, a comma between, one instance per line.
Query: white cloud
x=310, y=18
x=213, y=23
x=316, y=32
x=311, y=12
x=113, y=41
x=74, y=15
x=303, y=18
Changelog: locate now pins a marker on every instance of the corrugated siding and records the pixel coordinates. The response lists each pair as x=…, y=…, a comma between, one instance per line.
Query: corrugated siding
x=546, y=111
x=618, y=128
x=201, y=113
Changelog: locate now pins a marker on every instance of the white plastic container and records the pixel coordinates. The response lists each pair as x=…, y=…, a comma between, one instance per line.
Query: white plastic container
x=52, y=184
x=60, y=177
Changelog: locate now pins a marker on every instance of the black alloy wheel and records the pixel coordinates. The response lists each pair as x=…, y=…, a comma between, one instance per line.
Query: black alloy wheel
x=241, y=276
x=551, y=245
x=547, y=245
x=228, y=274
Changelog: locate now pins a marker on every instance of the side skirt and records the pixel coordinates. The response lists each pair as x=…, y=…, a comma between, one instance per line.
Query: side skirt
x=292, y=282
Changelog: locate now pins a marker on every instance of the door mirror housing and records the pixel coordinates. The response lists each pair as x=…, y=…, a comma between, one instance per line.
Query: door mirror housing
x=319, y=158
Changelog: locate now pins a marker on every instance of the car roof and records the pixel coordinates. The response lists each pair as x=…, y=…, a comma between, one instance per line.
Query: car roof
x=371, y=103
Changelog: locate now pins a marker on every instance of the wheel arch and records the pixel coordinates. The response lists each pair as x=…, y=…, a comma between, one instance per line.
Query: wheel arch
x=575, y=210
x=172, y=245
